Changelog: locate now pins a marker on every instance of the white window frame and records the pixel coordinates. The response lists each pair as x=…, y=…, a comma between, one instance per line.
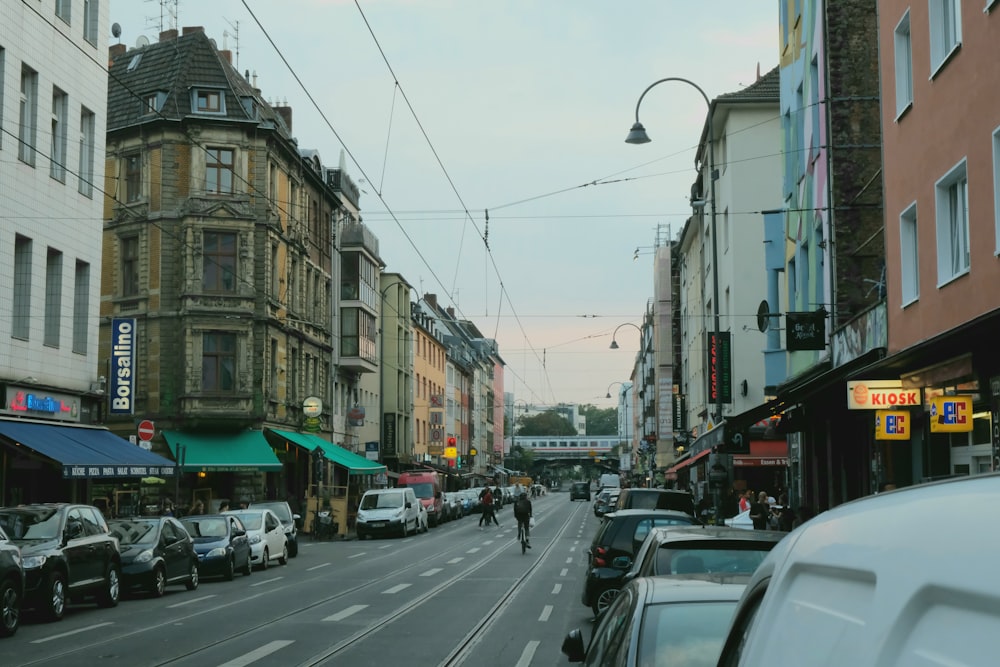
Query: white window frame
x=53, y=298
x=951, y=203
x=57, y=152
x=909, y=255
x=91, y=15
x=85, y=171
x=81, y=307
x=63, y=10
x=903, y=64
x=28, y=116
x=945, y=18
x=197, y=93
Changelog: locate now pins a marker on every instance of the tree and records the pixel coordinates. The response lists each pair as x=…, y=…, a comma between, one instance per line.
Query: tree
x=600, y=421
x=545, y=423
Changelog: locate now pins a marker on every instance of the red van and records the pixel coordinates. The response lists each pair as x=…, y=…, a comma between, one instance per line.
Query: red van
x=427, y=487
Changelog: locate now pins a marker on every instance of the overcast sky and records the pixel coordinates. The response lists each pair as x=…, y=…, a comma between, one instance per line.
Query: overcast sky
x=447, y=109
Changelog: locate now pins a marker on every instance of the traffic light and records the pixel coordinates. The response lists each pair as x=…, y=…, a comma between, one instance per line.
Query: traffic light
x=451, y=441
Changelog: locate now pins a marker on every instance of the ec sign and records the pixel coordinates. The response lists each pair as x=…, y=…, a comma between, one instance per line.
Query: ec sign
x=951, y=414
x=892, y=425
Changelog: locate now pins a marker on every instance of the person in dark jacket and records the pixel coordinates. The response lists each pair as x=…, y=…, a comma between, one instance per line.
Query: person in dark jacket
x=522, y=512
x=760, y=511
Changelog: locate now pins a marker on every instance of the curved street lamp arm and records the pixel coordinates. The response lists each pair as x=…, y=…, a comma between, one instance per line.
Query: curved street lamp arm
x=670, y=78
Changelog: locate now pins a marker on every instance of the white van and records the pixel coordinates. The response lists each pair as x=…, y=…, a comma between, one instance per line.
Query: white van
x=907, y=577
x=610, y=480
x=383, y=511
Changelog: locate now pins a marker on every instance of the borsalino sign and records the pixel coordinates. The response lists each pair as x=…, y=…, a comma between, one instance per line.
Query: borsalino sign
x=880, y=395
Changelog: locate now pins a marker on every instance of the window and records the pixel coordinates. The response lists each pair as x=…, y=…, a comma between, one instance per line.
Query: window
x=219, y=171
x=153, y=102
x=952, y=204
x=81, y=307
x=91, y=12
x=21, y=316
x=86, y=168
x=133, y=177
x=908, y=261
x=28, y=115
x=208, y=101
x=63, y=9
x=2, y=88
x=272, y=184
x=946, y=30
x=130, y=265
x=219, y=262
x=53, y=296
x=996, y=187
x=57, y=151
x=218, y=362
x=904, y=65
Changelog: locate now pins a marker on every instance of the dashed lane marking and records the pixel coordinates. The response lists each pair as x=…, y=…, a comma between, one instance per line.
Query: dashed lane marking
x=350, y=611
x=395, y=589
x=266, y=581
x=556, y=589
x=546, y=612
x=431, y=572
x=562, y=573
x=70, y=633
x=316, y=567
x=527, y=655
x=258, y=653
x=191, y=601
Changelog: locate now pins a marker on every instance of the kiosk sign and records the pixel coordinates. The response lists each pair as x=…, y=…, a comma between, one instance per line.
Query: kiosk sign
x=880, y=395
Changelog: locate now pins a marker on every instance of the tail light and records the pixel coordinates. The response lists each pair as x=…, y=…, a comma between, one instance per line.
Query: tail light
x=599, y=557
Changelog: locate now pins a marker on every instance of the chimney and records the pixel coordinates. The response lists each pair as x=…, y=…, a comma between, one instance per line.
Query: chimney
x=191, y=29
x=227, y=55
x=168, y=35
x=116, y=50
x=431, y=299
x=286, y=115
x=450, y=311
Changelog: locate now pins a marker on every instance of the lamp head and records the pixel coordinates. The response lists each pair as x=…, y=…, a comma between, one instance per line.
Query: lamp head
x=609, y=395
x=637, y=135
x=614, y=344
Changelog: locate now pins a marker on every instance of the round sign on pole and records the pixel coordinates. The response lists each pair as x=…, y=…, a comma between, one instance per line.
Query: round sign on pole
x=146, y=430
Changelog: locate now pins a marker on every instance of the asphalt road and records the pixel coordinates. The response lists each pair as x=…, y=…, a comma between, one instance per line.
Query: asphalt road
x=455, y=595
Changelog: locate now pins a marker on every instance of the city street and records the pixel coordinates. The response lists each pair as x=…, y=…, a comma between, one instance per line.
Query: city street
x=455, y=595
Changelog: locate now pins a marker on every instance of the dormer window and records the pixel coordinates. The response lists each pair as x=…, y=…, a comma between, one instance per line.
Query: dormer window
x=153, y=102
x=207, y=100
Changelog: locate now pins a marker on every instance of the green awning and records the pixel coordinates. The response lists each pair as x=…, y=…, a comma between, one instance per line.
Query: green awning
x=244, y=451
x=358, y=465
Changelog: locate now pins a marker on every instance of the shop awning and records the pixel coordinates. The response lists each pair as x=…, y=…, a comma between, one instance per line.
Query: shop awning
x=242, y=451
x=763, y=453
x=358, y=465
x=86, y=451
x=688, y=461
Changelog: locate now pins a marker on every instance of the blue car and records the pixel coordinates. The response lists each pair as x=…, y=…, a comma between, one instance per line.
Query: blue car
x=221, y=544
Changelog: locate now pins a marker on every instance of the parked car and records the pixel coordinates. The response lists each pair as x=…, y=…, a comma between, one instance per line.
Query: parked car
x=11, y=586
x=615, y=544
x=266, y=535
x=389, y=511
x=289, y=521
x=658, y=621
x=156, y=552
x=68, y=554
x=741, y=521
x=221, y=544
x=605, y=502
x=905, y=577
x=579, y=491
x=660, y=499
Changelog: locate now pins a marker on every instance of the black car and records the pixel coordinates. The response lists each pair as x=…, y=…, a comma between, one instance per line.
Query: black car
x=68, y=554
x=614, y=547
x=579, y=491
x=11, y=586
x=156, y=551
x=289, y=521
x=221, y=543
x=658, y=499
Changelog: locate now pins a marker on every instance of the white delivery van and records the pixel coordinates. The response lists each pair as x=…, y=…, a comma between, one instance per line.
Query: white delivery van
x=899, y=579
x=388, y=511
x=610, y=479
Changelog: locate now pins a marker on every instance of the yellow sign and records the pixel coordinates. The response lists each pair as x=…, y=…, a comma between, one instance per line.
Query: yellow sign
x=473, y=451
x=451, y=452
x=892, y=425
x=951, y=414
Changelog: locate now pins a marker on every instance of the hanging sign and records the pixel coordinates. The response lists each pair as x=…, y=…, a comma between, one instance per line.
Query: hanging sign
x=951, y=414
x=880, y=395
x=892, y=425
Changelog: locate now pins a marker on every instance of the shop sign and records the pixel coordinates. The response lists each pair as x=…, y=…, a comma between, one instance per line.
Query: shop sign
x=122, y=389
x=756, y=461
x=880, y=395
x=805, y=331
x=26, y=403
x=951, y=414
x=82, y=472
x=720, y=367
x=450, y=452
x=371, y=451
x=356, y=416
x=892, y=425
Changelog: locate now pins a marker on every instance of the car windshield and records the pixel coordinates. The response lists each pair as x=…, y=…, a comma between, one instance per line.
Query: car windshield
x=281, y=509
x=423, y=489
x=251, y=520
x=735, y=560
x=30, y=523
x=689, y=633
x=134, y=531
x=214, y=527
x=374, y=501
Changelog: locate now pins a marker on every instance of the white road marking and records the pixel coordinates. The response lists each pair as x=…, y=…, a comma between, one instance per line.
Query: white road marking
x=572, y=549
x=191, y=601
x=546, y=612
x=569, y=560
x=456, y=560
x=562, y=573
x=350, y=611
x=556, y=589
x=395, y=589
x=472, y=550
x=577, y=542
x=316, y=567
x=358, y=555
x=266, y=581
x=487, y=543
x=527, y=655
x=70, y=633
x=431, y=572
x=258, y=653
x=385, y=546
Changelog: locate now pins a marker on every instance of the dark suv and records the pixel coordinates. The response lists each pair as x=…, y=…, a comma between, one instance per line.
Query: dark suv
x=52, y=536
x=579, y=491
x=656, y=499
x=614, y=547
x=11, y=586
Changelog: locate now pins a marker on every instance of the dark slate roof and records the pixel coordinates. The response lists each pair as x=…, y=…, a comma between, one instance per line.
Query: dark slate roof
x=175, y=67
x=765, y=89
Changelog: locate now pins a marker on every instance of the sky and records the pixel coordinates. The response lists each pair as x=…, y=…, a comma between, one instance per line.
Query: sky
x=488, y=141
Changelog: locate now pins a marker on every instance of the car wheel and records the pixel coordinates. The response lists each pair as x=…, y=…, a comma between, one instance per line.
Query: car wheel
x=293, y=548
x=192, y=582
x=159, y=582
x=283, y=558
x=10, y=609
x=55, y=601
x=108, y=597
x=405, y=529
x=227, y=574
x=264, y=559
x=248, y=566
x=604, y=600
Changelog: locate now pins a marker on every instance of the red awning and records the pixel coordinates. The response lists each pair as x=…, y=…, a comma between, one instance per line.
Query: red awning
x=688, y=461
x=763, y=453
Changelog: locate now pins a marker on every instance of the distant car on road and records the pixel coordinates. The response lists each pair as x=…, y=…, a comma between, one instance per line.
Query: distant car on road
x=156, y=552
x=221, y=543
x=579, y=491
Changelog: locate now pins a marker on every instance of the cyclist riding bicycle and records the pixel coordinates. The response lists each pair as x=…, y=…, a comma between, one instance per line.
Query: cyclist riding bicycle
x=522, y=512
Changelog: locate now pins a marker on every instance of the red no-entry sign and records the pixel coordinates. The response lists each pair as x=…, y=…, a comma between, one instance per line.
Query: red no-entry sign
x=146, y=430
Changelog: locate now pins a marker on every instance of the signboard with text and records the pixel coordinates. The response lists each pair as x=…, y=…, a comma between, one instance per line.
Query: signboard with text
x=951, y=414
x=805, y=331
x=121, y=386
x=892, y=425
x=880, y=395
x=720, y=365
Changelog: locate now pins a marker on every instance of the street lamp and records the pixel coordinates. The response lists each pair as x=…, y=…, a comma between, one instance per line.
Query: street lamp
x=637, y=135
x=643, y=441
x=611, y=385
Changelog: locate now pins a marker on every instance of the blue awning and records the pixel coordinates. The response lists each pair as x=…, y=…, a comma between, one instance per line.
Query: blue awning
x=86, y=451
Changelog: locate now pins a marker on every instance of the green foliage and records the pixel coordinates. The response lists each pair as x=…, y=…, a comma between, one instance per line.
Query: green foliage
x=600, y=421
x=545, y=423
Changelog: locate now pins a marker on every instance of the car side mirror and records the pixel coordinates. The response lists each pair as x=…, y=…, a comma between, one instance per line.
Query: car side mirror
x=408, y=504
x=573, y=647
x=239, y=533
x=296, y=517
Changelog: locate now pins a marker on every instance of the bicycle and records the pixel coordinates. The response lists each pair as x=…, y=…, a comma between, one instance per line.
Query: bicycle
x=323, y=526
x=522, y=535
